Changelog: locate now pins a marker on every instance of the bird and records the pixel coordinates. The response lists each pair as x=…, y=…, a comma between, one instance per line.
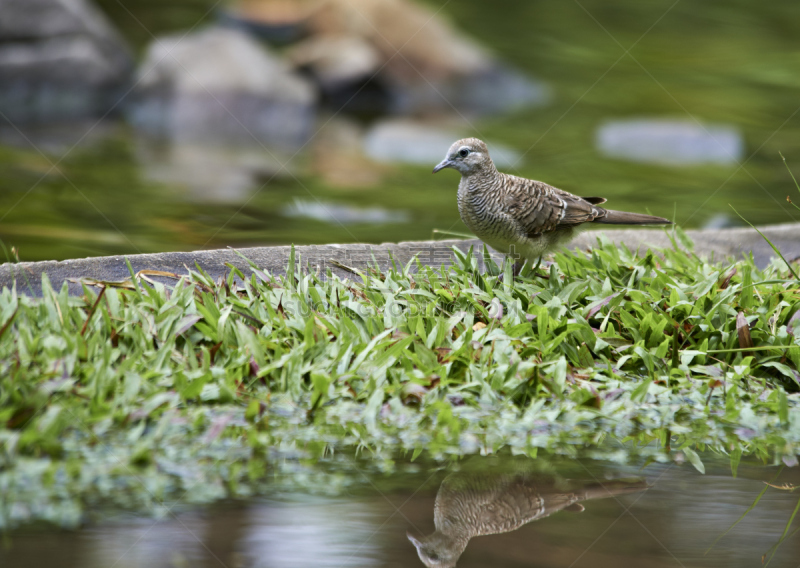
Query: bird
x=521, y=217
x=469, y=505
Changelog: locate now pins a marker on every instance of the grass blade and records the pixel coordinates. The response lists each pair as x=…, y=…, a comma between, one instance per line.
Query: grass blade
x=789, y=266
x=753, y=506
x=774, y=549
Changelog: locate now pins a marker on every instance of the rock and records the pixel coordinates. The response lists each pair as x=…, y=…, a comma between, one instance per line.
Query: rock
x=345, y=68
x=670, y=142
x=59, y=59
x=425, y=42
x=721, y=221
x=423, y=63
x=223, y=87
x=336, y=60
x=492, y=90
x=496, y=89
x=407, y=141
x=343, y=214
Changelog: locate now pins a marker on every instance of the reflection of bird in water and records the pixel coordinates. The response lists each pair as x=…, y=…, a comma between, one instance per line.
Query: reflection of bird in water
x=469, y=505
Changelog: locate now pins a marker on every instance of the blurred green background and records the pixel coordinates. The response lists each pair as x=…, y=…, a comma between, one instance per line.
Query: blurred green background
x=731, y=62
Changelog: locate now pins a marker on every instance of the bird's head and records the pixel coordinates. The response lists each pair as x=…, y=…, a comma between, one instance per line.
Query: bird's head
x=468, y=156
x=438, y=550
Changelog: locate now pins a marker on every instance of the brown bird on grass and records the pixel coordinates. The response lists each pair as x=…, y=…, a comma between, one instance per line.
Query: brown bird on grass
x=522, y=217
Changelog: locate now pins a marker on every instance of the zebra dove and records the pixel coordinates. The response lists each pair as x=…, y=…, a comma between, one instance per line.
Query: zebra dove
x=469, y=505
x=521, y=217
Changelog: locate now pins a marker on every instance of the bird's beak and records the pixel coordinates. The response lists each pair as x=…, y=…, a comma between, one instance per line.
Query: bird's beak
x=413, y=540
x=442, y=165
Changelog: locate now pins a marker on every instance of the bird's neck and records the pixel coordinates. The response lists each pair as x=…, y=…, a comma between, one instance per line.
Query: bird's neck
x=482, y=174
x=478, y=180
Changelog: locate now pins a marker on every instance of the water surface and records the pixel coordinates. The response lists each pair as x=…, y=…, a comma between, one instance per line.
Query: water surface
x=674, y=522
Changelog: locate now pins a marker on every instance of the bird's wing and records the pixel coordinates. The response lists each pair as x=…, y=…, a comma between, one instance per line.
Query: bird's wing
x=540, y=208
x=457, y=489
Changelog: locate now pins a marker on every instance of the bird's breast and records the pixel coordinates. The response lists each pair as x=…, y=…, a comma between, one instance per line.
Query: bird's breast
x=483, y=207
x=480, y=209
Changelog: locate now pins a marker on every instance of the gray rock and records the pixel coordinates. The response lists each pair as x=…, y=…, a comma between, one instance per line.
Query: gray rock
x=498, y=88
x=719, y=243
x=28, y=19
x=412, y=142
x=220, y=85
x=670, y=142
x=59, y=59
x=492, y=89
x=342, y=214
x=721, y=221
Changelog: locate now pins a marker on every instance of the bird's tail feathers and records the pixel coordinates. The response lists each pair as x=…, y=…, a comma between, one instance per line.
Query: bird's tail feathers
x=613, y=487
x=624, y=218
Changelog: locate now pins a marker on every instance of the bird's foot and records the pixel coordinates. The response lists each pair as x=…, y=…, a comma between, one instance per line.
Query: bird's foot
x=516, y=269
x=536, y=272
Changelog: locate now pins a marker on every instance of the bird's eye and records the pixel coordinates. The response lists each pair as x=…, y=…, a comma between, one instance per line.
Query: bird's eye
x=464, y=152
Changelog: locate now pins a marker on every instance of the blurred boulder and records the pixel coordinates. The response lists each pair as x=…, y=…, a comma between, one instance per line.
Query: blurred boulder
x=336, y=60
x=59, y=59
x=343, y=214
x=415, y=142
x=721, y=221
x=222, y=87
x=345, y=68
x=409, y=52
x=670, y=142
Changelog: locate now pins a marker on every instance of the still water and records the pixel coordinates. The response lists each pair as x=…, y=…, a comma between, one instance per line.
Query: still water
x=100, y=188
x=543, y=513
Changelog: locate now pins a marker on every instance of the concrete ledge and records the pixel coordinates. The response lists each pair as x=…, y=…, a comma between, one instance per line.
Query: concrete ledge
x=717, y=243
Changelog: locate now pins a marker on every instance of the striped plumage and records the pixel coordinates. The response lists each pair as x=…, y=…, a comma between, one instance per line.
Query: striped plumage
x=521, y=217
x=470, y=505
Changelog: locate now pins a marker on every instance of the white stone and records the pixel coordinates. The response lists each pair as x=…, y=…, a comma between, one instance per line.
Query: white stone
x=342, y=214
x=670, y=142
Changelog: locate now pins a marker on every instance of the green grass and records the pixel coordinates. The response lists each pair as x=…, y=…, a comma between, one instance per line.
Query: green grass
x=208, y=389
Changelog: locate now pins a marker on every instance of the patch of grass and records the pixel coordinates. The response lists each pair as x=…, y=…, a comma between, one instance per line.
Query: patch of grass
x=207, y=389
